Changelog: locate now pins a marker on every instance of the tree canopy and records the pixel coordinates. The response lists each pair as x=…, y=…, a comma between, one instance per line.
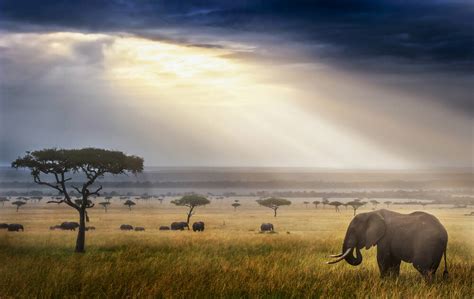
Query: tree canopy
x=192, y=200
x=274, y=203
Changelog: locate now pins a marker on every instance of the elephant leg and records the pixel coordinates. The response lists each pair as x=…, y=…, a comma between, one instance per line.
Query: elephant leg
x=427, y=264
x=389, y=265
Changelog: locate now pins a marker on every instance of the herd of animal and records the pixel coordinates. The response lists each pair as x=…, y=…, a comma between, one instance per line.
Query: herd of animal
x=418, y=238
x=14, y=227
x=72, y=226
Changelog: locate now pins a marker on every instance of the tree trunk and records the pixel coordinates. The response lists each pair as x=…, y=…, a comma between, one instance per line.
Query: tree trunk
x=81, y=235
x=275, y=212
x=190, y=213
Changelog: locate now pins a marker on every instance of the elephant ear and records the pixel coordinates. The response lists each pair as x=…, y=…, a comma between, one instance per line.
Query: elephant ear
x=375, y=230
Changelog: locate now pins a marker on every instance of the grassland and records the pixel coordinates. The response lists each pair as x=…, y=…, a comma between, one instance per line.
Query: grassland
x=230, y=259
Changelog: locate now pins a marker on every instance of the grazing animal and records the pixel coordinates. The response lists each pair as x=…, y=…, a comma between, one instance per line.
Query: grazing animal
x=69, y=225
x=198, y=226
x=139, y=229
x=15, y=227
x=126, y=227
x=179, y=225
x=3, y=226
x=88, y=228
x=418, y=238
x=266, y=227
x=163, y=227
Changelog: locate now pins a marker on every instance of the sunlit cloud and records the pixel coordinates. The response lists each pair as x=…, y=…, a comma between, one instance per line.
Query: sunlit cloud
x=184, y=105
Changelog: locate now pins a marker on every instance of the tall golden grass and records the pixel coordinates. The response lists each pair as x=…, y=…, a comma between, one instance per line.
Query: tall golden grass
x=230, y=259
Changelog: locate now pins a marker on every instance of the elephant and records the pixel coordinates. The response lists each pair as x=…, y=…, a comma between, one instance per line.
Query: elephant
x=139, y=229
x=418, y=238
x=179, y=225
x=163, y=227
x=3, y=225
x=198, y=226
x=69, y=225
x=15, y=227
x=266, y=227
x=126, y=227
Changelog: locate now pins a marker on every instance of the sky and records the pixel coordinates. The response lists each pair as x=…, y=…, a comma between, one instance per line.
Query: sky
x=330, y=84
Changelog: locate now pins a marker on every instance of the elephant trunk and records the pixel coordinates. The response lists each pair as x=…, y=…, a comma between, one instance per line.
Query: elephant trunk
x=354, y=261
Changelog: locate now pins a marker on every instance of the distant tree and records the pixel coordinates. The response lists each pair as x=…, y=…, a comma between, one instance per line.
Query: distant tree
x=108, y=198
x=356, y=204
x=36, y=198
x=336, y=204
x=18, y=204
x=129, y=203
x=316, y=203
x=374, y=203
x=306, y=203
x=59, y=164
x=236, y=205
x=161, y=200
x=388, y=203
x=424, y=204
x=105, y=205
x=274, y=203
x=191, y=201
x=325, y=202
x=3, y=200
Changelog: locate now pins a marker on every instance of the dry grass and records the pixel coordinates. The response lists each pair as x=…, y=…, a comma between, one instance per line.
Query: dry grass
x=230, y=259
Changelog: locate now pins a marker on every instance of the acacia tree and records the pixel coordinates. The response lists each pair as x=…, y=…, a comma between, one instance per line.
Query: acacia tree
x=54, y=168
x=236, y=205
x=316, y=203
x=3, y=200
x=191, y=201
x=388, y=203
x=356, y=204
x=325, y=202
x=18, y=204
x=306, y=203
x=374, y=203
x=274, y=203
x=336, y=204
x=129, y=203
x=105, y=205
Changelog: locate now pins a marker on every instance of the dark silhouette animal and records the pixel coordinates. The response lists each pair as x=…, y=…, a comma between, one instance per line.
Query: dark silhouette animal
x=139, y=229
x=179, y=226
x=163, y=227
x=418, y=238
x=15, y=227
x=266, y=227
x=126, y=227
x=3, y=226
x=198, y=226
x=88, y=228
x=69, y=226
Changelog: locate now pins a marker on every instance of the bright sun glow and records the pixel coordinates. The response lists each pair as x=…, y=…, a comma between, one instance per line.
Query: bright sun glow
x=227, y=110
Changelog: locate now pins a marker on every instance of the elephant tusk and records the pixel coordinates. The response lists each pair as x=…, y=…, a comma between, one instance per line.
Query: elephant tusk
x=341, y=257
x=336, y=255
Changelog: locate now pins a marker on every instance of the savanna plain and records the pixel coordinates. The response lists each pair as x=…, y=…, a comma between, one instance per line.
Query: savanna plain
x=229, y=259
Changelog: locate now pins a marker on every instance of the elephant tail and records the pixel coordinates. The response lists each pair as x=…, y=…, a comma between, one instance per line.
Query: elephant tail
x=445, y=272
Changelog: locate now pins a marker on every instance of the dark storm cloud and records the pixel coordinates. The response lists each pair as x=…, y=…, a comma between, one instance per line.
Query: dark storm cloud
x=375, y=34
